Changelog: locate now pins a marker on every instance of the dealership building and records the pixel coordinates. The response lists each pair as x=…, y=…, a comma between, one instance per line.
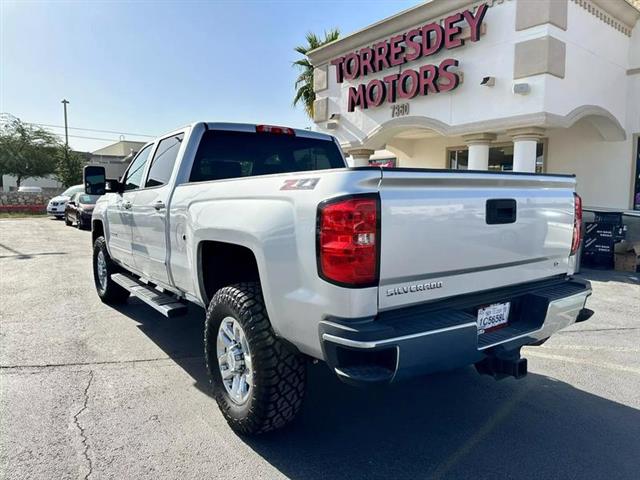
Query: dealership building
x=525, y=85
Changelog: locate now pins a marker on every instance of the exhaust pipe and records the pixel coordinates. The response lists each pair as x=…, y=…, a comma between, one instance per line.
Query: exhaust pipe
x=500, y=367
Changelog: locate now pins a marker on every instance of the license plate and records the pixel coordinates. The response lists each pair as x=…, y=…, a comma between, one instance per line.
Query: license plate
x=493, y=316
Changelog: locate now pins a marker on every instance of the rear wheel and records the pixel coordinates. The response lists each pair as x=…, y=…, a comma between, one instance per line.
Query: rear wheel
x=258, y=380
x=103, y=267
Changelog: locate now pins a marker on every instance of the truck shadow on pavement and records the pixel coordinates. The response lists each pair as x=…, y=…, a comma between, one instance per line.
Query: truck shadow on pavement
x=452, y=425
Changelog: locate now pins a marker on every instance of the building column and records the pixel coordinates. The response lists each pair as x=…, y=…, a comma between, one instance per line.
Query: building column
x=361, y=156
x=478, y=144
x=525, y=143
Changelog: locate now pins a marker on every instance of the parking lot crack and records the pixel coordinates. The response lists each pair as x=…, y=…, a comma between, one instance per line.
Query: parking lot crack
x=83, y=436
x=99, y=363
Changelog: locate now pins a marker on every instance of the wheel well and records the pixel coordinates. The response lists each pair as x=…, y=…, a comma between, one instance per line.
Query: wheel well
x=223, y=264
x=97, y=230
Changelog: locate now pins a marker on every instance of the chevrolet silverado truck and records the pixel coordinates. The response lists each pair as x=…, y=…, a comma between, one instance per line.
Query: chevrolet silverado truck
x=382, y=273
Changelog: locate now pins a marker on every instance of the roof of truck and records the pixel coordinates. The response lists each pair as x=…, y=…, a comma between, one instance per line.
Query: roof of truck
x=246, y=127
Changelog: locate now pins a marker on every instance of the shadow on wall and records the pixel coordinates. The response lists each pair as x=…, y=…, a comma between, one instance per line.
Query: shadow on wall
x=454, y=425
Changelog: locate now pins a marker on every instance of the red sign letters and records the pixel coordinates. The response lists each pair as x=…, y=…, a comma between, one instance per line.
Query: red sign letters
x=407, y=47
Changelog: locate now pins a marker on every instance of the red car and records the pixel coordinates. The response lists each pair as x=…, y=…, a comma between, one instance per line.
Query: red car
x=79, y=209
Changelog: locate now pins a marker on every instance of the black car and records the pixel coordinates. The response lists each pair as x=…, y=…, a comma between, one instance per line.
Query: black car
x=79, y=209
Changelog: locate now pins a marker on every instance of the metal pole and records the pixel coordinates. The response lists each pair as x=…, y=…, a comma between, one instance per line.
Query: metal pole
x=66, y=131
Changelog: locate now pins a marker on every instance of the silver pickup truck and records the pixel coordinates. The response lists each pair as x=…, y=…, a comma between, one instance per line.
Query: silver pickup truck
x=381, y=273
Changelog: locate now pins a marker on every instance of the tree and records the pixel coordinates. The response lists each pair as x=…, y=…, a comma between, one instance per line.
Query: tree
x=27, y=151
x=304, y=82
x=69, y=167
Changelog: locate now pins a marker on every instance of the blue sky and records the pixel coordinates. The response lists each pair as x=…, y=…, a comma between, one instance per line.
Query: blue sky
x=150, y=66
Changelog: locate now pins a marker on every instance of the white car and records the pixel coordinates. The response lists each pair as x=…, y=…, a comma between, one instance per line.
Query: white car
x=57, y=204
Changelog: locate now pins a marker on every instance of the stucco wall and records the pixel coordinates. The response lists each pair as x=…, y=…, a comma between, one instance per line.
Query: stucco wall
x=602, y=169
x=597, y=58
x=423, y=153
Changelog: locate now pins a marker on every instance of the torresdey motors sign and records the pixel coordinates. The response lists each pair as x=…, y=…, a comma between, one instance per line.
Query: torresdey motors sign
x=415, y=44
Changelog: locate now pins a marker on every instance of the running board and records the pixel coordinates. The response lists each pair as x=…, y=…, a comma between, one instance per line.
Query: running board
x=167, y=305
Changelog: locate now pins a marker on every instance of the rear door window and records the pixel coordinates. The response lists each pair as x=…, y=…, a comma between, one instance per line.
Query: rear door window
x=164, y=160
x=227, y=154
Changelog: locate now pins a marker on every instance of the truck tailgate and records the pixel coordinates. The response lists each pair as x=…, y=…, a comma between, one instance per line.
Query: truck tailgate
x=451, y=233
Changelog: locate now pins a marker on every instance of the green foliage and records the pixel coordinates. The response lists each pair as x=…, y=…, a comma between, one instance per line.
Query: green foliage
x=69, y=167
x=27, y=151
x=304, y=82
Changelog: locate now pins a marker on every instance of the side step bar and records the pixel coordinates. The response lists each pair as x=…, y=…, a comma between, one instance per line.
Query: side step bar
x=167, y=305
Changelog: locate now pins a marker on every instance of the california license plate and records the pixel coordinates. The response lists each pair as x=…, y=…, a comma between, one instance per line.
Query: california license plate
x=493, y=317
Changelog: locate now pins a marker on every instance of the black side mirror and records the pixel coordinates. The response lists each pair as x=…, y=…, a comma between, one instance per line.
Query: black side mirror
x=71, y=202
x=94, y=180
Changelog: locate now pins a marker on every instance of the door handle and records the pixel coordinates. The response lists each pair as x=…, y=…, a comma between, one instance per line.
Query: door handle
x=159, y=205
x=126, y=205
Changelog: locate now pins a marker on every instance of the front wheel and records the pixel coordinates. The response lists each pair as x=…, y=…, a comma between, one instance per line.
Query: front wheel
x=103, y=267
x=258, y=380
x=67, y=222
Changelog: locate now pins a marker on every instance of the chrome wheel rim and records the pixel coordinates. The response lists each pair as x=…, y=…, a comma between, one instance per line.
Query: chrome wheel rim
x=102, y=270
x=234, y=360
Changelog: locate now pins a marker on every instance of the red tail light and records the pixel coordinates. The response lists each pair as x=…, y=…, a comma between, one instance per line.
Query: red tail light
x=275, y=130
x=577, y=223
x=348, y=240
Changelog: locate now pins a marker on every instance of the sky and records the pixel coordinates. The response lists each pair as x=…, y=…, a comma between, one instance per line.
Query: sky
x=147, y=67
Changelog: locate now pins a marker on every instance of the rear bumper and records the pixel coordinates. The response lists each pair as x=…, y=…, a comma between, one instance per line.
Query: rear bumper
x=434, y=337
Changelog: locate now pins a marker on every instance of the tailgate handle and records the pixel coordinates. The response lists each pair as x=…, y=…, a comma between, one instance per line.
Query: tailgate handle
x=501, y=210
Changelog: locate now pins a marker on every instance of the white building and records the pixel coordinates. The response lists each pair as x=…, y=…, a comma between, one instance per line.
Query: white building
x=115, y=158
x=561, y=90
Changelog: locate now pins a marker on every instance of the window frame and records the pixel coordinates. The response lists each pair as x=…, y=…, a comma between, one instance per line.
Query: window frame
x=155, y=150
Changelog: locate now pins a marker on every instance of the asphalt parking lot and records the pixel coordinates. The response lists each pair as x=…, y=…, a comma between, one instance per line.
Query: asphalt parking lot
x=88, y=391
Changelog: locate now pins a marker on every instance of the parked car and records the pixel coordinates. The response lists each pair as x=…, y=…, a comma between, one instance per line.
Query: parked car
x=79, y=210
x=382, y=273
x=57, y=204
x=26, y=189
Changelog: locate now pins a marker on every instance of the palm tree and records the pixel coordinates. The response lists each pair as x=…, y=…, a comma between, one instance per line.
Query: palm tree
x=304, y=82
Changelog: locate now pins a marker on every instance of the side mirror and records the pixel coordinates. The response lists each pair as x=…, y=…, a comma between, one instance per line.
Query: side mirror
x=71, y=202
x=94, y=180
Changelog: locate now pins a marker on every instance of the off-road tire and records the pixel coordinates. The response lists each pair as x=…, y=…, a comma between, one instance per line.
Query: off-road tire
x=279, y=371
x=67, y=222
x=113, y=293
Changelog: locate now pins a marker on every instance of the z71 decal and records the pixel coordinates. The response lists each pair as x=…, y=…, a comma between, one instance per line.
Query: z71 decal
x=300, y=184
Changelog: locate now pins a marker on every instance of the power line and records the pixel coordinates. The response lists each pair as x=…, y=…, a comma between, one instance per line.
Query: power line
x=103, y=139
x=92, y=130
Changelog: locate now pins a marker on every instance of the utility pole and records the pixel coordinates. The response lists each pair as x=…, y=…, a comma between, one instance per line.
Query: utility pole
x=66, y=131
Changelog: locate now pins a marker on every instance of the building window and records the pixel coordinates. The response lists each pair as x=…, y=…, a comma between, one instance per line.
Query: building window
x=500, y=158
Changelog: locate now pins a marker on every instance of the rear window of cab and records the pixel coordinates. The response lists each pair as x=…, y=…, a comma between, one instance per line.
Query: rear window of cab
x=229, y=154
